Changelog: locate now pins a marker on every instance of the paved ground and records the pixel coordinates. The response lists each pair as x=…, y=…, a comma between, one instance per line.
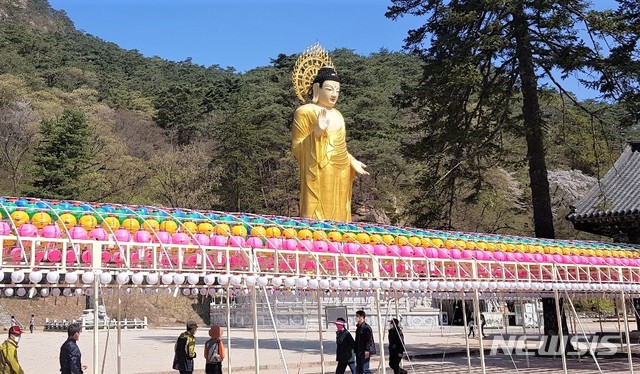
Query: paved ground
x=441, y=351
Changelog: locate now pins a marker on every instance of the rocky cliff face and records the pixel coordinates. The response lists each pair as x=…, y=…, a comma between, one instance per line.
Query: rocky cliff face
x=37, y=14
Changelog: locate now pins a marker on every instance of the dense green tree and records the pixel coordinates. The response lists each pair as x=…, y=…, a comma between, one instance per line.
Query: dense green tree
x=62, y=156
x=483, y=60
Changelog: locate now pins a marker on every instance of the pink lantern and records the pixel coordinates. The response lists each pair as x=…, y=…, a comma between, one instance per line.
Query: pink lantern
x=334, y=247
x=236, y=241
x=254, y=242
x=28, y=230
x=274, y=243
x=78, y=233
x=54, y=255
x=86, y=257
x=289, y=244
x=304, y=245
x=162, y=237
x=219, y=241
x=98, y=233
x=431, y=252
x=180, y=238
x=393, y=250
x=320, y=246
x=466, y=254
x=443, y=253
x=192, y=261
x=142, y=236
x=201, y=239
x=71, y=256
x=350, y=248
x=406, y=251
x=51, y=231
x=106, y=256
x=379, y=250
x=518, y=256
x=455, y=253
x=122, y=235
x=16, y=254
x=5, y=229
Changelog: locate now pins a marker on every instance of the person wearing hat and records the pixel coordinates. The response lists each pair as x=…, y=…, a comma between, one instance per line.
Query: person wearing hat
x=9, y=353
x=214, y=351
x=396, y=346
x=344, y=348
x=185, y=349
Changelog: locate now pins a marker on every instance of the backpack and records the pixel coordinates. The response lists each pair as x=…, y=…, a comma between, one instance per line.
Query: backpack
x=213, y=351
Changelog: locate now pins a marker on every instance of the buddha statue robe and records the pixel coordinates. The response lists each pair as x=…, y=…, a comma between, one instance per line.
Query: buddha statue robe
x=326, y=175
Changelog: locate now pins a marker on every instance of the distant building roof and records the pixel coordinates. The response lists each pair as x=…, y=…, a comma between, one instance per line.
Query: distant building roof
x=614, y=200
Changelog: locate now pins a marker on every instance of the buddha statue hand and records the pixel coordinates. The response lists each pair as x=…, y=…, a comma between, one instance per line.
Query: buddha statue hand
x=359, y=167
x=323, y=123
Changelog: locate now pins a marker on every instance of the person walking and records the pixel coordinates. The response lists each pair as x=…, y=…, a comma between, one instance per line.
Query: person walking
x=185, y=349
x=214, y=351
x=344, y=348
x=471, y=323
x=70, y=356
x=32, y=323
x=396, y=346
x=9, y=353
x=365, y=346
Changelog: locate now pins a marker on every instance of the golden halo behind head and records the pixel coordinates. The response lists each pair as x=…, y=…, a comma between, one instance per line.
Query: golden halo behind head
x=306, y=69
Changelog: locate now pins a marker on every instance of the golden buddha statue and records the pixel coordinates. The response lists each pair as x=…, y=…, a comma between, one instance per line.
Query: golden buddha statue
x=327, y=170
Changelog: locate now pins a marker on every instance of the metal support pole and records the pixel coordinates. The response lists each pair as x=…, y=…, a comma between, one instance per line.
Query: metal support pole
x=619, y=325
x=476, y=308
x=560, y=332
x=119, y=327
x=95, y=264
x=524, y=330
x=626, y=330
x=256, y=356
x=228, y=330
x=466, y=336
x=380, y=333
x=320, y=330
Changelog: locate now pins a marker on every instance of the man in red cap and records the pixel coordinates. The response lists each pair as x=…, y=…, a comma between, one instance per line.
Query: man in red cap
x=9, y=353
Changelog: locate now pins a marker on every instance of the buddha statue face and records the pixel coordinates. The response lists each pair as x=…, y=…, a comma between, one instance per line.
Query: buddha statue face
x=328, y=94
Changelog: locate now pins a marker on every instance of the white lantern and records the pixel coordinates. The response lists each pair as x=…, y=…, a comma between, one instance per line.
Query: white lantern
x=122, y=278
x=414, y=285
x=276, y=281
x=186, y=292
x=194, y=291
x=193, y=279
x=397, y=285
x=220, y=292
x=324, y=284
x=44, y=292
x=302, y=282
x=71, y=277
x=105, y=278
x=365, y=284
x=88, y=277
x=235, y=280
x=77, y=292
x=167, y=279
x=179, y=279
x=314, y=284
x=53, y=277
x=376, y=284
x=66, y=292
x=137, y=278
x=56, y=292
x=458, y=285
x=356, y=284
x=8, y=292
x=223, y=279
x=250, y=280
x=262, y=281
x=21, y=291
x=35, y=277
x=289, y=282
x=335, y=284
x=212, y=291
x=152, y=278
x=385, y=284
x=345, y=284
x=209, y=279
x=17, y=276
x=203, y=291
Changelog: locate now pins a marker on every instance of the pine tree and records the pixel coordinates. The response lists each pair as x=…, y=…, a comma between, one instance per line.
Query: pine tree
x=62, y=156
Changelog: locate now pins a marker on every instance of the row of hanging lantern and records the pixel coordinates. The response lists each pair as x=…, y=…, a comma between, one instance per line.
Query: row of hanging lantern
x=152, y=279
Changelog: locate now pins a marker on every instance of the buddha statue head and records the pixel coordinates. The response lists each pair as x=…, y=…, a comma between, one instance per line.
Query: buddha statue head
x=326, y=87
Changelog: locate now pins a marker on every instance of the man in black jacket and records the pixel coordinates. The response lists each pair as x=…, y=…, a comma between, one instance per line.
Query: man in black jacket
x=365, y=346
x=344, y=348
x=70, y=357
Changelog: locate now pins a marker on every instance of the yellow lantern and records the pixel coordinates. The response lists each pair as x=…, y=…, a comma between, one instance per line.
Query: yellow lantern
x=110, y=223
x=131, y=224
x=319, y=235
x=375, y=239
x=258, y=231
x=40, y=219
x=151, y=225
x=305, y=234
x=437, y=242
x=205, y=228
x=334, y=236
x=363, y=238
x=388, y=239
x=349, y=237
x=222, y=229
x=88, y=222
x=401, y=240
x=20, y=217
x=290, y=233
x=189, y=227
x=273, y=232
x=169, y=226
x=67, y=220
